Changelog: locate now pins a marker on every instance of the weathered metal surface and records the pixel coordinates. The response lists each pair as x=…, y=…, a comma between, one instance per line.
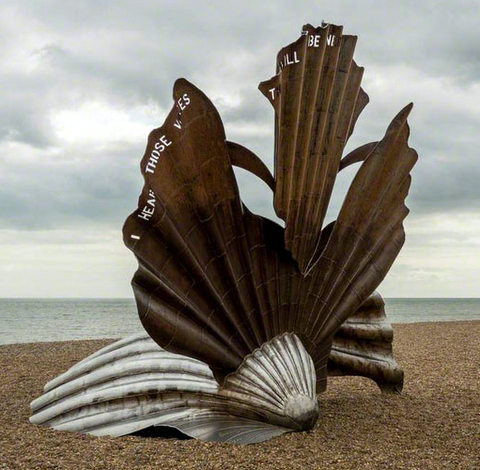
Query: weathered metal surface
x=243, y=158
x=317, y=99
x=363, y=346
x=134, y=384
x=215, y=281
x=218, y=283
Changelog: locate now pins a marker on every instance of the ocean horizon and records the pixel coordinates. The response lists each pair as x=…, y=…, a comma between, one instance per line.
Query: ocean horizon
x=29, y=320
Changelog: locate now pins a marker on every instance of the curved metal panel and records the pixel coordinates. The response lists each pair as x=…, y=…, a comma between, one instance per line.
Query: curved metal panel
x=363, y=346
x=134, y=384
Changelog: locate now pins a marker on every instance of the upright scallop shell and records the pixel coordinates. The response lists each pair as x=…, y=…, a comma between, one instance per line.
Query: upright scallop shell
x=270, y=311
x=215, y=281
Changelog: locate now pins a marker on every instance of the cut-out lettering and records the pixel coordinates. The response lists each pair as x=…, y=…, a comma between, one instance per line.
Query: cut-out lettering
x=149, y=208
x=161, y=144
x=289, y=59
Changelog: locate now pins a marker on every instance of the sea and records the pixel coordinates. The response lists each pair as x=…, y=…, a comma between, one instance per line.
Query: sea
x=34, y=320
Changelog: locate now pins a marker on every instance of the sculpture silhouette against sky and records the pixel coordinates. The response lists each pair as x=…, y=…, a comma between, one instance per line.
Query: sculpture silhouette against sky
x=245, y=319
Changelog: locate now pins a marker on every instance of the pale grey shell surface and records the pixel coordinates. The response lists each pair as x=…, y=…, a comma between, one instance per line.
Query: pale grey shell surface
x=133, y=384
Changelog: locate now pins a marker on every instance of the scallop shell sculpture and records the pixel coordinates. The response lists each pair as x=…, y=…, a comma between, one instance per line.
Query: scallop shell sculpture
x=245, y=319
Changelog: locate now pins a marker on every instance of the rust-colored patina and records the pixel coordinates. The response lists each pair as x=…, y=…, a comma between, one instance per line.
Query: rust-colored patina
x=216, y=281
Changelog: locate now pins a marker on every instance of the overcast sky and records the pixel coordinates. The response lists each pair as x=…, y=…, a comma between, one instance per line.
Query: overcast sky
x=83, y=82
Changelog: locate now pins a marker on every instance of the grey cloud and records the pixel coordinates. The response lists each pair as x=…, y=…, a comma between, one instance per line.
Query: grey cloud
x=128, y=53
x=69, y=192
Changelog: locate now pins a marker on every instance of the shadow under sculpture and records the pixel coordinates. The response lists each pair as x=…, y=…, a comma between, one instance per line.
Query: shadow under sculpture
x=244, y=319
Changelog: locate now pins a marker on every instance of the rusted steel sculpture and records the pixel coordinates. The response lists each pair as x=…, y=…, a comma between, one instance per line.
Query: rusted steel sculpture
x=245, y=319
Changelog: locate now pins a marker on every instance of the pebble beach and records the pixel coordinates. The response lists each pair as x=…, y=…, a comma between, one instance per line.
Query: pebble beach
x=433, y=424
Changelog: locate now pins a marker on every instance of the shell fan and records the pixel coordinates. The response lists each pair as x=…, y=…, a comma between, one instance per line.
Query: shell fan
x=317, y=99
x=215, y=281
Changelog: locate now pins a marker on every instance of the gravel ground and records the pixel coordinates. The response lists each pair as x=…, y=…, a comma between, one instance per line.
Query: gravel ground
x=434, y=424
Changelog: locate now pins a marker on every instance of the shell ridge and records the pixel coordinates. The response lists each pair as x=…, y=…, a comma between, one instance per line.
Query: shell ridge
x=260, y=371
x=185, y=302
x=318, y=57
x=334, y=155
x=280, y=356
x=297, y=110
x=202, y=271
x=329, y=155
x=92, y=362
x=315, y=151
x=121, y=370
x=254, y=378
x=299, y=372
